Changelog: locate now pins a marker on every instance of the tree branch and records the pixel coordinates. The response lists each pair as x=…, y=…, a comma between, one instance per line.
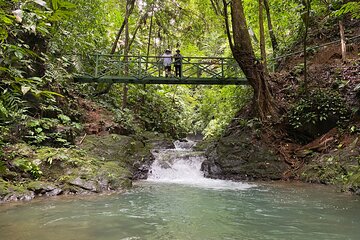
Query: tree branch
x=227, y=25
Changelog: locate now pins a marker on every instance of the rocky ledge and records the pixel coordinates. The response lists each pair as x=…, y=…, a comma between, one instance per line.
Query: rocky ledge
x=239, y=156
x=98, y=164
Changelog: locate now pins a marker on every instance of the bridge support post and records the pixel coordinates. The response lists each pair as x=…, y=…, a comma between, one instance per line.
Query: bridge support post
x=96, y=64
x=222, y=68
x=139, y=66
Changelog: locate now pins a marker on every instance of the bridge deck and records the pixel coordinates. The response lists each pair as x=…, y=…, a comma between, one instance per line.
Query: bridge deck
x=163, y=80
x=149, y=70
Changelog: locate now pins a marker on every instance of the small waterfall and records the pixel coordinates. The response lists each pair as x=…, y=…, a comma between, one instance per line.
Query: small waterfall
x=182, y=166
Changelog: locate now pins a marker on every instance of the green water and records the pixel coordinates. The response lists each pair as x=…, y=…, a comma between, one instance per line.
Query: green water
x=176, y=211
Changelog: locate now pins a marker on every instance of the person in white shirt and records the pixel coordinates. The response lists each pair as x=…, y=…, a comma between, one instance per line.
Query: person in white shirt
x=167, y=59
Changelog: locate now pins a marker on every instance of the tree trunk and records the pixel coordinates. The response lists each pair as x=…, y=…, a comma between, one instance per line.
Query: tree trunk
x=148, y=52
x=253, y=69
x=274, y=43
x=343, y=43
x=129, y=9
x=149, y=39
x=227, y=25
x=262, y=35
x=118, y=36
x=126, y=53
x=141, y=21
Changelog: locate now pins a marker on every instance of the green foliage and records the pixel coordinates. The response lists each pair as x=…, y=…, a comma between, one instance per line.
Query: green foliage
x=89, y=32
x=127, y=120
x=318, y=108
x=163, y=109
x=28, y=166
x=217, y=107
x=352, y=7
x=51, y=131
x=336, y=170
x=69, y=156
x=23, y=60
x=12, y=107
x=2, y=167
x=353, y=180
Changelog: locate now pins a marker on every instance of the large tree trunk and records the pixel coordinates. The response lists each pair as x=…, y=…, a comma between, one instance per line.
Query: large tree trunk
x=254, y=71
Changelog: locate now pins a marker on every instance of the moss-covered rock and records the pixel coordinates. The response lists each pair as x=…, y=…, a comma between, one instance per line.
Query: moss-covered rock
x=53, y=171
x=203, y=145
x=155, y=140
x=338, y=167
x=123, y=149
x=100, y=163
x=14, y=192
x=241, y=157
x=114, y=177
x=44, y=188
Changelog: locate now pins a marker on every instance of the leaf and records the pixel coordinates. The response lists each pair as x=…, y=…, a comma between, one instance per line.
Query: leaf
x=36, y=79
x=24, y=89
x=19, y=54
x=3, y=34
x=64, y=118
x=357, y=88
x=40, y=2
x=67, y=5
x=55, y=5
x=48, y=93
x=3, y=110
x=18, y=13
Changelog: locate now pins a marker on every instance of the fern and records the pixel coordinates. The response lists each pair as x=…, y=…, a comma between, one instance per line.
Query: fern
x=12, y=107
x=3, y=110
x=350, y=7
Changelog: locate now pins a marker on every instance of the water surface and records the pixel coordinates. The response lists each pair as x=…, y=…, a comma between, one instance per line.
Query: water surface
x=175, y=211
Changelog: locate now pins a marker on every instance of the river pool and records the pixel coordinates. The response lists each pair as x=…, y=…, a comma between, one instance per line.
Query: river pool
x=176, y=211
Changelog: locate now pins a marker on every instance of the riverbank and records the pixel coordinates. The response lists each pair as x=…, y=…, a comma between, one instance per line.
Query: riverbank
x=99, y=164
x=331, y=159
x=110, y=163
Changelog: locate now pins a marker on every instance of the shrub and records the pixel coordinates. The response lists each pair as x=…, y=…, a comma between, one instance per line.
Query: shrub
x=55, y=132
x=29, y=167
x=318, y=113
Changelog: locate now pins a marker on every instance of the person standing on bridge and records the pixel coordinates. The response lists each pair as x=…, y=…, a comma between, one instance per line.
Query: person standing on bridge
x=166, y=59
x=178, y=63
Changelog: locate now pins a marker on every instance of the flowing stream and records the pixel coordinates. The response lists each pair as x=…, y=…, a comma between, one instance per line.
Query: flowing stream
x=177, y=202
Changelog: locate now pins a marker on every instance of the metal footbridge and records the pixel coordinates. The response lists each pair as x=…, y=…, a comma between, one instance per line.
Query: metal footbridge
x=107, y=68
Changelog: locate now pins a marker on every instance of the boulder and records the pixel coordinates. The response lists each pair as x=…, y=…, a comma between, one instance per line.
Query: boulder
x=239, y=156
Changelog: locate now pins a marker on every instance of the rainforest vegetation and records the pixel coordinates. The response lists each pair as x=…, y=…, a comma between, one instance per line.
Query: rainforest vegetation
x=302, y=100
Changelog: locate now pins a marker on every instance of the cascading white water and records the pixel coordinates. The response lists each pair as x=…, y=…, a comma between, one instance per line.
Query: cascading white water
x=182, y=165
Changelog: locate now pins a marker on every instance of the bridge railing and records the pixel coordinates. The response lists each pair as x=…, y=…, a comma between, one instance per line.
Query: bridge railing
x=143, y=67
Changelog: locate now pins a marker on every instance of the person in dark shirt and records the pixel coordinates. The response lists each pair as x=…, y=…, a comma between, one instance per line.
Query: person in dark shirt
x=178, y=63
